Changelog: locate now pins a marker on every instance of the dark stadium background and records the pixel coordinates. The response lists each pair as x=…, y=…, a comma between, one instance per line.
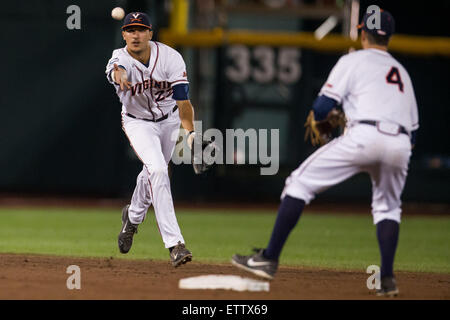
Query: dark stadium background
x=61, y=135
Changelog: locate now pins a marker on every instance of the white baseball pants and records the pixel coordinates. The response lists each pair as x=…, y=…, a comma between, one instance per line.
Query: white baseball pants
x=154, y=143
x=362, y=149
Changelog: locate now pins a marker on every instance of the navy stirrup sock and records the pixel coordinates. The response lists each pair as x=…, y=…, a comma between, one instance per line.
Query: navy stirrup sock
x=387, y=234
x=288, y=216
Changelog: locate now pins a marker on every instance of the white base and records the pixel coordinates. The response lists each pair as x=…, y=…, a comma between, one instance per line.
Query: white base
x=226, y=282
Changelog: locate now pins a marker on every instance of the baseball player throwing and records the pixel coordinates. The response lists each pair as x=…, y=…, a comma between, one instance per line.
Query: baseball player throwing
x=151, y=82
x=378, y=99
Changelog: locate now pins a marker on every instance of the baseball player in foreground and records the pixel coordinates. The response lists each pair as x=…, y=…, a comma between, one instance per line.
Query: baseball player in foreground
x=378, y=99
x=151, y=82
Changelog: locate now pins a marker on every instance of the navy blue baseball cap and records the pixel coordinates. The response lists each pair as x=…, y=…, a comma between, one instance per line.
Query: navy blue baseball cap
x=137, y=19
x=386, y=27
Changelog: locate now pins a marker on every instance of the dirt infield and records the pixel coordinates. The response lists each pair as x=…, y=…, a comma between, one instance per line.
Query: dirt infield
x=44, y=277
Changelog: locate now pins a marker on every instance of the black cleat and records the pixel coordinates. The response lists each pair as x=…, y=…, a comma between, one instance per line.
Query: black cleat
x=388, y=287
x=127, y=232
x=180, y=255
x=256, y=264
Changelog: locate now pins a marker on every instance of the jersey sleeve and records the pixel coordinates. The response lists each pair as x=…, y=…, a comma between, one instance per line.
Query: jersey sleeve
x=176, y=69
x=120, y=60
x=338, y=83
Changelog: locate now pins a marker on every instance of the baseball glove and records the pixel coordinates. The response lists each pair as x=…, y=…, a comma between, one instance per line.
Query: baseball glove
x=321, y=132
x=202, y=153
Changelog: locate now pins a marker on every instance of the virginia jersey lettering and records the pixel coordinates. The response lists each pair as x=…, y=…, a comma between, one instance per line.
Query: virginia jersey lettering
x=151, y=91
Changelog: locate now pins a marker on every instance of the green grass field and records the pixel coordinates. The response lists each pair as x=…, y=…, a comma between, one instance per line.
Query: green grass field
x=319, y=240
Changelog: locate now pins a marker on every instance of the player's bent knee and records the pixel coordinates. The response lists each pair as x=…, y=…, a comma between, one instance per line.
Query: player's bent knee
x=158, y=169
x=159, y=173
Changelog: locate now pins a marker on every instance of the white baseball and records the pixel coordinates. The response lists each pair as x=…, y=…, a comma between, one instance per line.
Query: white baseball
x=118, y=13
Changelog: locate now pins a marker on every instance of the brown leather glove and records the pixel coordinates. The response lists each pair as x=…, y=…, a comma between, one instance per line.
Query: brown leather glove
x=320, y=132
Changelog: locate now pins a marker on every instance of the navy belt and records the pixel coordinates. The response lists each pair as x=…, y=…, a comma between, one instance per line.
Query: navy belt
x=153, y=120
x=375, y=123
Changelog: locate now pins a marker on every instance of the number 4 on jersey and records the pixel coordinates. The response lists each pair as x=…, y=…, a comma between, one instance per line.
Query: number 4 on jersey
x=393, y=77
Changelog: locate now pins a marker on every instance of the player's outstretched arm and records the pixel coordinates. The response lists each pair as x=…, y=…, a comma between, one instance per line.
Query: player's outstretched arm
x=186, y=114
x=120, y=77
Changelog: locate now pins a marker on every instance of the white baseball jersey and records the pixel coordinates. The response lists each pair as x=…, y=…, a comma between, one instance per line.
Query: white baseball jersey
x=150, y=98
x=151, y=91
x=372, y=85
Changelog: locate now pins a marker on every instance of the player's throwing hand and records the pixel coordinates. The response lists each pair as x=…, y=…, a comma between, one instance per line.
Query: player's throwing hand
x=120, y=77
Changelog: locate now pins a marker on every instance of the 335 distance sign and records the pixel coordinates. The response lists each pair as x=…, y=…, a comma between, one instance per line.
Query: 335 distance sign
x=263, y=64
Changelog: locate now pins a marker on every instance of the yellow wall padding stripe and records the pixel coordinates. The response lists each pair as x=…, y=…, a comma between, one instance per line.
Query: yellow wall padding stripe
x=179, y=16
x=406, y=44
